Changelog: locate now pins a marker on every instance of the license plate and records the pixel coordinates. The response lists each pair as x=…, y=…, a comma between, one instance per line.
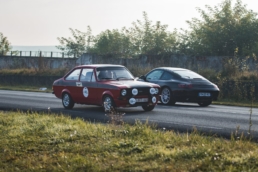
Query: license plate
x=204, y=94
x=142, y=100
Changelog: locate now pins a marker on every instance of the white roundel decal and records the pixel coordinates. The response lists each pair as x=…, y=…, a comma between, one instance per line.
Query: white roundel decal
x=85, y=92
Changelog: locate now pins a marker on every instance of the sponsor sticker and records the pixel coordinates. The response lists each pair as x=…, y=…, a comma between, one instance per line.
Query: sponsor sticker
x=142, y=100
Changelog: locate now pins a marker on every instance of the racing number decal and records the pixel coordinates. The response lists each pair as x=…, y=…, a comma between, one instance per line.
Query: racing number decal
x=85, y=92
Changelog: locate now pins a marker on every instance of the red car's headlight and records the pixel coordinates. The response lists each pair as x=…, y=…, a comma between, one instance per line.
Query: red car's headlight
x=123, y=92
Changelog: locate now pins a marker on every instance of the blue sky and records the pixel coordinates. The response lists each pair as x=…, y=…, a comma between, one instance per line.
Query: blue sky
x=40, y=22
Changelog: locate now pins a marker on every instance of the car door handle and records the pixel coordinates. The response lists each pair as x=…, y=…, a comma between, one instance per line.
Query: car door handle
x=78, y=84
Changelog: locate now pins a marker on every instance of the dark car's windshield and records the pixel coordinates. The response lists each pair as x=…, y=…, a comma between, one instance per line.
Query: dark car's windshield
x=187, y=74
x=113, y=73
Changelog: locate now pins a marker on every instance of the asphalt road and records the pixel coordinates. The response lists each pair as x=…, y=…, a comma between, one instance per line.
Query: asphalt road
x=183, y=117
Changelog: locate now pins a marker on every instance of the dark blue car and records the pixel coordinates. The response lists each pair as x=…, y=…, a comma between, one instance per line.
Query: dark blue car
x=182, y=85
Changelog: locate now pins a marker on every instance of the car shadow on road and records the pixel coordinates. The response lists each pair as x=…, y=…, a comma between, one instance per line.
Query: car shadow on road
x=186, y=105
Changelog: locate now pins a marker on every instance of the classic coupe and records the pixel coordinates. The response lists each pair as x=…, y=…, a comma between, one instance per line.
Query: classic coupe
x=105, y=85
x=182, y=85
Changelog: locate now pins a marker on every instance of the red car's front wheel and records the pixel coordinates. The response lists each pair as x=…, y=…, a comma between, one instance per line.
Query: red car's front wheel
x=148, y=107
x=108, y=103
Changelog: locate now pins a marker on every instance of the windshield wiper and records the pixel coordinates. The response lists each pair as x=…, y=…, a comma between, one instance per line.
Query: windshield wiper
x=123, y=78
x=106, y=78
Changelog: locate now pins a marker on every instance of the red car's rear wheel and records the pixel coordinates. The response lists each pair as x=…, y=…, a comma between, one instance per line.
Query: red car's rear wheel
x=67, y=101
x=108, y=103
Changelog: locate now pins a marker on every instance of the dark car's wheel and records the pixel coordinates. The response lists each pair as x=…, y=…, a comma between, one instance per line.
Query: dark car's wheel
x=67, y=101
x=205, y=103
x=166, y=96
x=148, y=107
x=108, y=103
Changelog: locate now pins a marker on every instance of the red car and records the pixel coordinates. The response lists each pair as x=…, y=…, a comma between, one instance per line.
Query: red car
x=105, y=85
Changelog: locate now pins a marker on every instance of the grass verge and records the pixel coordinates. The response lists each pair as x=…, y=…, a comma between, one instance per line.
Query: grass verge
x=49, y=142
x=234, y=103
x=25, y=88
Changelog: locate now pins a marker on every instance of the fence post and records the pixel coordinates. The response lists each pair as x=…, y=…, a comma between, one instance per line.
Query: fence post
x=20, y=53
x=30, y=53
x=11, y=53
x=63, y=55
x=51, y=54
x=40, y=54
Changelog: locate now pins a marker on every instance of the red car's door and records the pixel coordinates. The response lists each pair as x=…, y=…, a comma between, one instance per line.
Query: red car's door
x=86, y=90
x=72, y=84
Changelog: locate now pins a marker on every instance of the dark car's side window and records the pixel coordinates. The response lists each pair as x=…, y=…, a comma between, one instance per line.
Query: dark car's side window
x=154, y=75
x=166, y=76
x=74, y=76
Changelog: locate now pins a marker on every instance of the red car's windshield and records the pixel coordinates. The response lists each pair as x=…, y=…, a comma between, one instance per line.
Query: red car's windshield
x=113, y=73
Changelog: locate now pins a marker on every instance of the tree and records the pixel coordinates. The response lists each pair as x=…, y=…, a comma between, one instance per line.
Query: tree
x=151, y=39
x=111, y=42
x=77, y=45
x=5, y=45
x=141, y=38
x=222, y=30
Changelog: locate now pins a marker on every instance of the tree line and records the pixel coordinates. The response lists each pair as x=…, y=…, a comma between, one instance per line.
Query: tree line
x=222, y=30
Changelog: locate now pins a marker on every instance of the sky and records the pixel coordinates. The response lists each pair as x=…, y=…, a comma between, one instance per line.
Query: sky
x=41, y=22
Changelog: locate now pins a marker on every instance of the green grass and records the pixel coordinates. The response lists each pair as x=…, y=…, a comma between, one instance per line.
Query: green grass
x=50, y=142
x=234, y=103
x=28, y=72
x=24, y=88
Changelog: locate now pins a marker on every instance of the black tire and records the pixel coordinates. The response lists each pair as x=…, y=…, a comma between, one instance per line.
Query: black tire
x=205, y=103
x=166, y=97
x=148, y=108
x=67, y=101
x=108, y=103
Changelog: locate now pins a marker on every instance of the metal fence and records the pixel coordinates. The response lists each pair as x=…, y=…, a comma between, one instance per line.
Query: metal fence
x=38, y=54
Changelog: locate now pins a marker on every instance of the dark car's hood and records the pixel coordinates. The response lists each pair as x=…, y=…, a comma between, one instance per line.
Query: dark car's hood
x=132, y=83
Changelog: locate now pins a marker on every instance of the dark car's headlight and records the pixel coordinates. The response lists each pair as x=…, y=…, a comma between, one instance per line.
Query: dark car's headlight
x=123, y=92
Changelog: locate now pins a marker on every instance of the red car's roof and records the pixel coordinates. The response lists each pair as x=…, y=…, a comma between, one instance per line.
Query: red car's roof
x=100, y=65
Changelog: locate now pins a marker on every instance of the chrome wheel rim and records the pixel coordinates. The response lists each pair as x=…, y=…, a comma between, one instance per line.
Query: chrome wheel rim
x=165, y=96
x=107, y=103
x=66, y=100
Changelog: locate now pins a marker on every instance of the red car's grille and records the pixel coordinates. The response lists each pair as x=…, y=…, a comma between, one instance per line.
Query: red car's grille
x=141, y=91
